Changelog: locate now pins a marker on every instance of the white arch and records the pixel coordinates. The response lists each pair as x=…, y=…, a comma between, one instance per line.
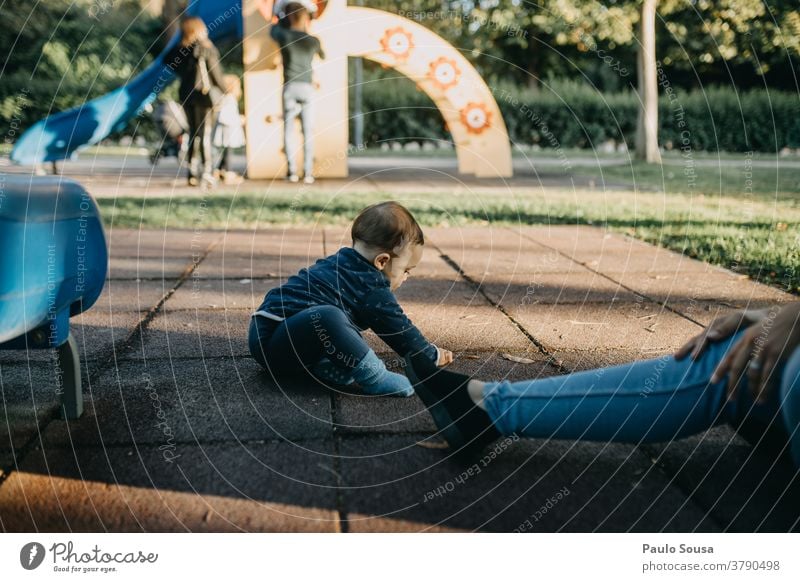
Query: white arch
x=458, y=91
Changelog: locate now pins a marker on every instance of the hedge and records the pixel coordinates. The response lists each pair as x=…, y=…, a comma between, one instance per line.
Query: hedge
x=572, y=115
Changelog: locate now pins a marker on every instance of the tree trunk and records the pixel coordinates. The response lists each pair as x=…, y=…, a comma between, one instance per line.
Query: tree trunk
x=647, y=122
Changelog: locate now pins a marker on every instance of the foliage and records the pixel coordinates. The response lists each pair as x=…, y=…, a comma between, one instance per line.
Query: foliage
x=741, y=42
x=573, y=114
x=63, y=53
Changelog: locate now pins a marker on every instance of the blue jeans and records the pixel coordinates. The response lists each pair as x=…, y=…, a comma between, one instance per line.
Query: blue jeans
x=646, y=401
x=298, y=100
x=315, y=335
x=322, y=343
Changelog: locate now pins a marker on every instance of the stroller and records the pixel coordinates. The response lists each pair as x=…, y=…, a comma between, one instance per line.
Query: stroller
x=171, y=121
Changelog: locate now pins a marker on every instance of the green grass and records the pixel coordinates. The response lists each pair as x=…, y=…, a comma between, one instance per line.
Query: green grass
x=753, y=232
x=735, y=178
x=728, y=212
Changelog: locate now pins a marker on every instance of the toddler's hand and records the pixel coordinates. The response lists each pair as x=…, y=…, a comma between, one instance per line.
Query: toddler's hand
x=445, y=357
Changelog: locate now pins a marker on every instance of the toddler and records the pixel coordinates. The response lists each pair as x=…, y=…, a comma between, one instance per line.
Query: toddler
x=312, y=324
x=228, y=132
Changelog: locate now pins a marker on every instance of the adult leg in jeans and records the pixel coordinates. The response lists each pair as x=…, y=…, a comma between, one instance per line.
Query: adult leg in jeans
x=291, y=109
x=322, y=342
x=647, y=401
x=307, y=121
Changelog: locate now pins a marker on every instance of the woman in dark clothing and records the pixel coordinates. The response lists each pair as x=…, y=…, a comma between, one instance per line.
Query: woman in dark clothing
x=195, y=61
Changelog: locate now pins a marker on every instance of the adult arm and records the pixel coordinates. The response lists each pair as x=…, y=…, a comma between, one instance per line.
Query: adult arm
x=215, y=67
x=771, y=336
x=762, y=351
x=719, y=329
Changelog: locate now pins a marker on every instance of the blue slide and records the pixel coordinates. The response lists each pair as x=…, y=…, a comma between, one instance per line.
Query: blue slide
x=60, y=136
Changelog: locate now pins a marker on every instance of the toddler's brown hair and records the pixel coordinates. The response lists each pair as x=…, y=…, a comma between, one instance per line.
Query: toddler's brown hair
x=387, y=226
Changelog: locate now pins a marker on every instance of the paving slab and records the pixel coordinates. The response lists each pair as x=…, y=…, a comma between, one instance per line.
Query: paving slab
x=532, y=262
x=194, y=401
x=745, y=489
x=96, y=332
x=219, y=487
x=466, y=328
x=234, y=266
x=454, y=316
x=192, y=333
x=488, y=236
x=644, y=325
x=152, y=243
x=268, y=239
x=29, y=398
x=578, y=241
x=267, y=253
x=520, y=289
x=436, y=293
x=271, y=242
x=131, y=295
x=714, y=285
x=589, y=486
x=577, y=360
x=639, y=259
x=501, y=252
x=100, y=332
x=434, y=266
x=199, y=293
x=152, y=268
x=704, y=312
x=367, y=414
x=258, y=455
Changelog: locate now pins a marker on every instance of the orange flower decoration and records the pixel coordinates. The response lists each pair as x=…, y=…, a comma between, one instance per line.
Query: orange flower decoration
x=398, y=42
x=444, y=72
x=476, y=117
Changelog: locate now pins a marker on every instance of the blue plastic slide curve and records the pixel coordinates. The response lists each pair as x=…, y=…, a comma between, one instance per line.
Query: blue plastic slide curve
x=54, y=257
x=60, y=136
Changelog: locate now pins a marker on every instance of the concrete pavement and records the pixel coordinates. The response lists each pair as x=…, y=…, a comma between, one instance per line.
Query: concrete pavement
x=184, y=432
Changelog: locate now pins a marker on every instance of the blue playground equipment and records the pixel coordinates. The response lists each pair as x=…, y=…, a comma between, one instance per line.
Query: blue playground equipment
x=63, y=134
x=53, y=266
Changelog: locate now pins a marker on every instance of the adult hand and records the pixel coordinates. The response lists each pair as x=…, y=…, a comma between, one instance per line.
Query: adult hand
x=445, y=357
x=719, y=329
x=763, y=347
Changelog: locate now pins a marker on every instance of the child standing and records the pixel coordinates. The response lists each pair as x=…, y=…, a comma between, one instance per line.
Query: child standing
x=228, y=131
x=297, y=52
x=312, y=324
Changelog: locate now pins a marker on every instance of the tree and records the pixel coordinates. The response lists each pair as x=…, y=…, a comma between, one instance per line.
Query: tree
x=740, y=42
x=61, y=53
x=545, y=36
x=647, y=79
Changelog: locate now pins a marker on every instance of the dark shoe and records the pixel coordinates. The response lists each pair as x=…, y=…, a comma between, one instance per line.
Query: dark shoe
x=465, y=427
